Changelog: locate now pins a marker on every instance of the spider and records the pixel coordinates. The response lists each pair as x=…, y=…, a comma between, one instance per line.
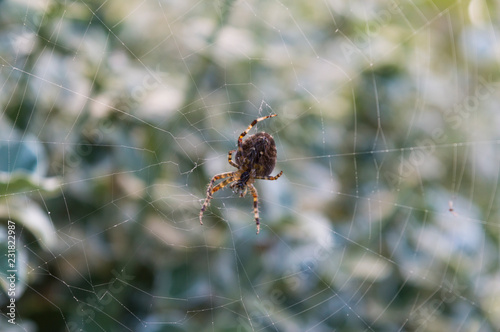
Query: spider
x=452, y=209
x=255, y=159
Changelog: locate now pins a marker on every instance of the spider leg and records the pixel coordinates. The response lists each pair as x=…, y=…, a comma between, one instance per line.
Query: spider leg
x=255, y=206
x=269, y=177
x=210, y=190
x=230, y=159
x=254, y=122
x=221, y=185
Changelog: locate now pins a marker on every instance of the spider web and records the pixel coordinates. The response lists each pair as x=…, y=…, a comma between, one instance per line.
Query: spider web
x=115, y=115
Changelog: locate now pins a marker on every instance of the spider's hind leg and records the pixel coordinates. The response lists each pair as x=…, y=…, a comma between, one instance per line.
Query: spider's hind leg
x=211, y=189
x=230, y=159
x=255, y=206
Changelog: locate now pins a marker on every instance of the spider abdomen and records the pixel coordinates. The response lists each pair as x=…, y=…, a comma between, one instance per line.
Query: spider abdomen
x=258, y=154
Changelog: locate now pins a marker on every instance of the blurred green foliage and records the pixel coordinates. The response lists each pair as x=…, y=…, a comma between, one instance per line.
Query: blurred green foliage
x=115, y=115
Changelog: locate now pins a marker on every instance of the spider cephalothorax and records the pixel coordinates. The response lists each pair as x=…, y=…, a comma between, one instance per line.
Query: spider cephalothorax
x=255, y=158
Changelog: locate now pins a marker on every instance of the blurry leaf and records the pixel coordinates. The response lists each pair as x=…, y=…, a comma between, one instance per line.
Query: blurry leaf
x=25, y=155
x=32, y=217
x=369, y=268
x=23, y=166
x=11, y=183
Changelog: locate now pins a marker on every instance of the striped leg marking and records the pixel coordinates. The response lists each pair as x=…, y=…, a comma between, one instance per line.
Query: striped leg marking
x=269, y=177
x=230, y=158
x=221, y=185
x=255, y=206
x=254, y=122
x=211, y=188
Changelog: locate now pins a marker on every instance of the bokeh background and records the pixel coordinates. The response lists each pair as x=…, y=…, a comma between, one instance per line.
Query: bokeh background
x=115, y=115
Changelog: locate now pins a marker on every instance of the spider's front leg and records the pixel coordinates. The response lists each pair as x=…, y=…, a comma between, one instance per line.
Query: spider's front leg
x=243, y=134
x=211, y=189
x=255, y=206
x=230, y=158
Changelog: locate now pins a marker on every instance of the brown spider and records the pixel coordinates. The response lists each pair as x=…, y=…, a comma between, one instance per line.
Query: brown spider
x=254, y=159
